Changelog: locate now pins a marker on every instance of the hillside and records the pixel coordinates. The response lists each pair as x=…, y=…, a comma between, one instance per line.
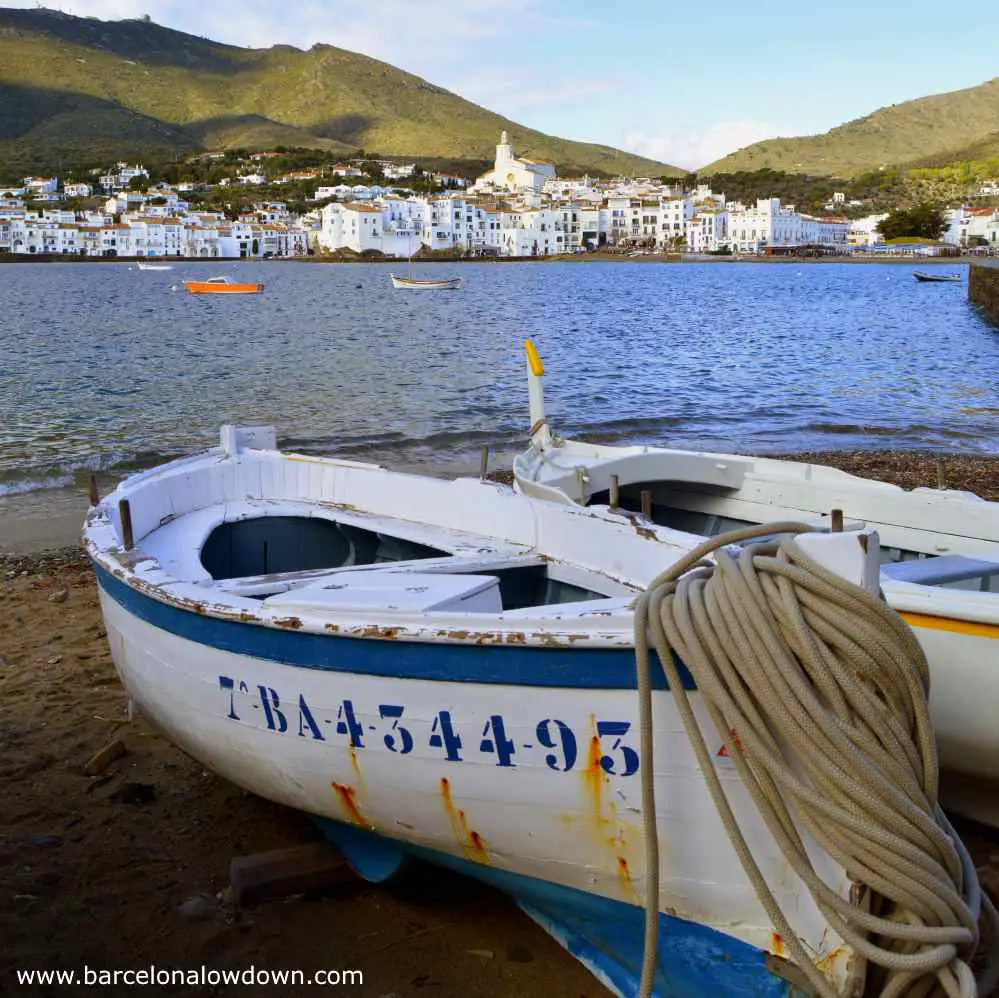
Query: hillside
x=938, y=129
x=82, y=89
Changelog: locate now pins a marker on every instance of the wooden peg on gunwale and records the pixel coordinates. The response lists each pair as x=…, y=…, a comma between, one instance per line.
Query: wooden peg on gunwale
x=836, y=521
x=93, y=494
x=125, y=512
x=615, y=492
x=647, y=504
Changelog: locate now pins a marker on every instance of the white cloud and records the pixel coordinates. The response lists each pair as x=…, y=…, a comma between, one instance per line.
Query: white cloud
x=514, y=94
x=693, y=149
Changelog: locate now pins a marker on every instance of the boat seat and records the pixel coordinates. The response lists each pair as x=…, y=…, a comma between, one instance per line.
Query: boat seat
x=937, y=571
x=408, y=592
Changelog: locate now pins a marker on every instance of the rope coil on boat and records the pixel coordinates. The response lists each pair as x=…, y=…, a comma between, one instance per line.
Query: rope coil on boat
x=819, y=692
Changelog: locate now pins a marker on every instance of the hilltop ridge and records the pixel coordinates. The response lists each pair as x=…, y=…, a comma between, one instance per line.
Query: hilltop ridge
x=941, y=128
x=95, y=89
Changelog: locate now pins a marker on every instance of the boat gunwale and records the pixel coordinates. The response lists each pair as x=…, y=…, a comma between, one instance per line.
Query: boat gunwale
x=602, y=623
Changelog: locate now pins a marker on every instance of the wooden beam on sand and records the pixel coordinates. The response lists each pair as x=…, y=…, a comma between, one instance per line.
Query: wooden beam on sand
x=314, y=866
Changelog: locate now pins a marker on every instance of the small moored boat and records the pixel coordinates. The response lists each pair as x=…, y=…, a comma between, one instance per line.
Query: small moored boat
x=426, y=284
x=921, y=275
x=222, y=286
x=155, y=266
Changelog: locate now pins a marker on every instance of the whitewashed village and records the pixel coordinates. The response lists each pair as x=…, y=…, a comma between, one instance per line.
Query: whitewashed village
x=521, y=208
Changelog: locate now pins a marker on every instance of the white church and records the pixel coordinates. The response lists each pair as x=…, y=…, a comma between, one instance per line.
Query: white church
x=511, y=173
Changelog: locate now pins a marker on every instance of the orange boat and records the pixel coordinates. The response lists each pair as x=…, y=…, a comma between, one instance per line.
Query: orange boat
x=222, y=286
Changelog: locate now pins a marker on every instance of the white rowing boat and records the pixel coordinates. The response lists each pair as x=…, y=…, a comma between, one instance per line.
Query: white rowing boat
x=426, y=284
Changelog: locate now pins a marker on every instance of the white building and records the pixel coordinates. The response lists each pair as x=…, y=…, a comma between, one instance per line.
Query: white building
x=770, y=225
x=511, y=173
x=971, y=227
x=78, y=190
x=121, y=175
x=864, y=231
x=40, y=185
x=396, y=171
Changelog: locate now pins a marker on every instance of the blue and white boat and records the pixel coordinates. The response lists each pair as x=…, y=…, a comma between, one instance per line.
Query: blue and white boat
x=445, y=670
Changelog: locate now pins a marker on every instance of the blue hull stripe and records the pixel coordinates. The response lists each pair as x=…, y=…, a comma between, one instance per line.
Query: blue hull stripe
x=507, y=665
x=695, y=961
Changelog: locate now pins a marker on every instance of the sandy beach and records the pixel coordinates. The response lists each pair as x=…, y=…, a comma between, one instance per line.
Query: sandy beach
x=95, y=872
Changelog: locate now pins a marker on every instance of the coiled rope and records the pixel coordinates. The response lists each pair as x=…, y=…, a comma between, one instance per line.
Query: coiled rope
x=819, y=692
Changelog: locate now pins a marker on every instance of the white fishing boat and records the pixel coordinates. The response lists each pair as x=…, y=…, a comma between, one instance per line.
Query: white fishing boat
x=925, y=278
x=446, y=670
x=155, y=266
x=426, y=284
x=940, y=550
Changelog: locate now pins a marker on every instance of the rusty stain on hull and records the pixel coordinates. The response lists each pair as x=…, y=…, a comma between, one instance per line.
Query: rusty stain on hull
x=776, y=944
x=375, y=631
x=610, y=830
x=293, y=623
x=355, y=765
x=347, y=797
x=470, y=840
x=624, y=876
x=593, y=775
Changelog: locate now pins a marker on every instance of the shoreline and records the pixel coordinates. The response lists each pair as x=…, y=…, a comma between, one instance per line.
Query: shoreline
x=27, y=532
x=595, y=257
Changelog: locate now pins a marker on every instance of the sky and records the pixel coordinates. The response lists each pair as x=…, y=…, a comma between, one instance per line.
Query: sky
x=677, y=82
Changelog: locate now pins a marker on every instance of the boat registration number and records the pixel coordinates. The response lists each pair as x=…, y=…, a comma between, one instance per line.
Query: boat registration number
x=386, y=727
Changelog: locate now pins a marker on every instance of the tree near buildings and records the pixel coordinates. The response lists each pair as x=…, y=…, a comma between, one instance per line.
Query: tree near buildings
x=924, y=221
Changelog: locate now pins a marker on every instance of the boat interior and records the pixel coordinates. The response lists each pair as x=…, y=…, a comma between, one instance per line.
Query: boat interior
x=703, y=512
x=268, y=556
x=253, y=529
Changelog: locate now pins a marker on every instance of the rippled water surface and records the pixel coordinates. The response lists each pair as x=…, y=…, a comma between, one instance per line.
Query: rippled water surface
x=104, y=367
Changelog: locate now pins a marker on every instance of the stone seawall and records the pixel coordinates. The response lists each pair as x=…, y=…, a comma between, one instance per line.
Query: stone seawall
x=983, y=288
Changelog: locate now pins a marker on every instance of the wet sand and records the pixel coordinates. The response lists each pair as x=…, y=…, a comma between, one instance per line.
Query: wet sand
x=88, y=879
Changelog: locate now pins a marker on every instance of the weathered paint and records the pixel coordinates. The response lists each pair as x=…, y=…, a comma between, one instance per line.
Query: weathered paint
x=356, y=767
x=470, y=840
x=776, y=944
x=347, y=797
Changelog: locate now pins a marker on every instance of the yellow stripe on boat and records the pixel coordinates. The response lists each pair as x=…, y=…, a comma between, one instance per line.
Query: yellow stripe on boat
x=970, y=627
x=534, y=358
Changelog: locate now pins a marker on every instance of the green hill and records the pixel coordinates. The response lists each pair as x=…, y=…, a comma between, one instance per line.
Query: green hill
x=80, y=90
x=938, y=129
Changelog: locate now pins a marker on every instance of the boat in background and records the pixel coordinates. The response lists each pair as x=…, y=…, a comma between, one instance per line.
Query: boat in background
x=426, y=284
x=921, y=275
x=154, y=266
x=940, y=548
x=222, y=286
x=445, y=670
